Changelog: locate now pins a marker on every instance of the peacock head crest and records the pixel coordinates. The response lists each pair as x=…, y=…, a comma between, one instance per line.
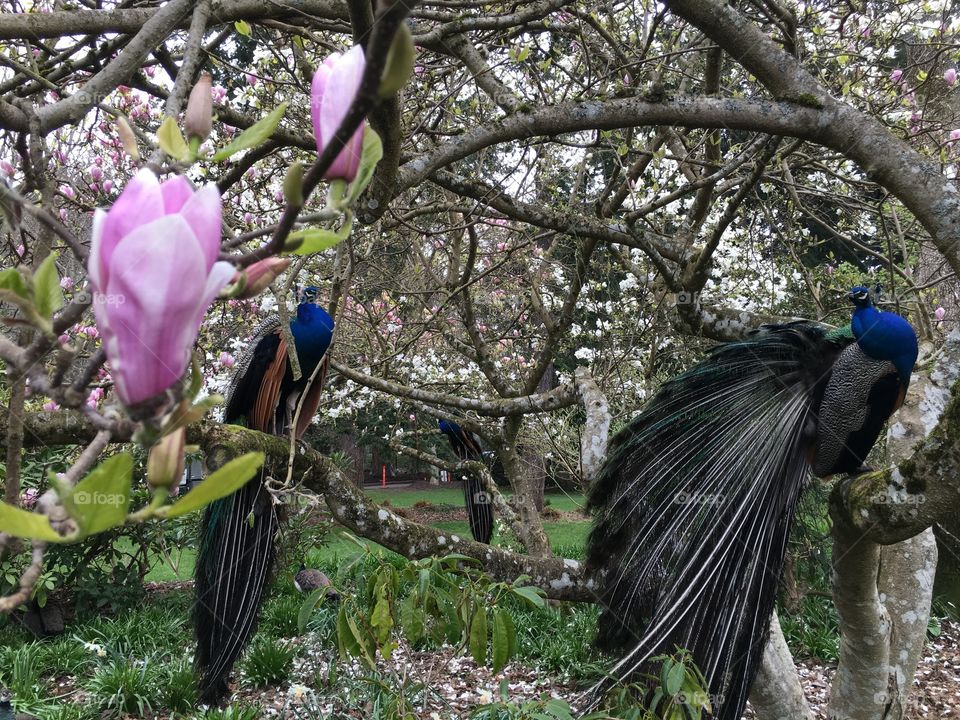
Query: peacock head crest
x=310, y=294
x=860, y=296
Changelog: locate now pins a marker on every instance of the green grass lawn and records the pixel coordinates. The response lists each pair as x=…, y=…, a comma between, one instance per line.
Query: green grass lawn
x=566, y=538
x=404, y=497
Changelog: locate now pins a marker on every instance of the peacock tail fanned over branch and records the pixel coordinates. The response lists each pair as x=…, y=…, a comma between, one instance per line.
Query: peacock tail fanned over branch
x=694, y=505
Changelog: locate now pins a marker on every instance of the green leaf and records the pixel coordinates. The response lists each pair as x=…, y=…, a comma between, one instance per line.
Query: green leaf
x=242, y=27
x=400, y=60
x=12, y=280
x=48, y=298
x=501, y=640
x=253, y=135
x=20, y=523
x=511, y=634
x=196, y=376
x=221, y=483
x=319, y=239
x=369, y=157
x=558, y=708
x=411, y=619
x=102, y=499
x=478, y=636
x=532, y=595
x=309, y=605
x=366, y=652
x=381, y=619
x=345, y=640
x=675, y=677
x=171, y=140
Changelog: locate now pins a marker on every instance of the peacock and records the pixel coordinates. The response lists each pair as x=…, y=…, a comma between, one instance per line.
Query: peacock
x=466, y=446
x=236, y=548
x=694, y=502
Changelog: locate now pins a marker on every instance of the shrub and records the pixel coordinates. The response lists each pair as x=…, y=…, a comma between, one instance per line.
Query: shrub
x=268, y=662
x=125, y=686
x=178, y=686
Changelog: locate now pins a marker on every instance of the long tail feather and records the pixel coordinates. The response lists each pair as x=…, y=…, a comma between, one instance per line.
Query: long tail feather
x=479, y=509
x=466, y=446
x=694, y=506
x=233, y=568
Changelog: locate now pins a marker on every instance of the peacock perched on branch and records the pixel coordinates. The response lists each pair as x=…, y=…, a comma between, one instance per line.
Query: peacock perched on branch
x=466, y=446
x=236, y=549
x=694, y=503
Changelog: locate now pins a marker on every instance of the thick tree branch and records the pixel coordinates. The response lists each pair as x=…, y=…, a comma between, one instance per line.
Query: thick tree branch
x=917, y=181
x=563, y=396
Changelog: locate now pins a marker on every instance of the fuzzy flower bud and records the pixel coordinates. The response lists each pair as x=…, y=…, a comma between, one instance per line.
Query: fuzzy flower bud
x=165, y=462
x=198, y=118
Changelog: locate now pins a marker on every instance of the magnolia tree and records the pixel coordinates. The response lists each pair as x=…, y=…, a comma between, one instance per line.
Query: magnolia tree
x=563, y=207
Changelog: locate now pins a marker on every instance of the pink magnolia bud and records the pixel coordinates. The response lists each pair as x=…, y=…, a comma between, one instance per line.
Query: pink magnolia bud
x=96, y=173
x=939, y=313
x=260, y=275
x=66, y=282
x=333, y=90
x=50, y=406
x=896, y=76
x=154, y=271
x=950, y=75
x=107, y=185
x=227, y=360
x=198, y=118
x=127, y=137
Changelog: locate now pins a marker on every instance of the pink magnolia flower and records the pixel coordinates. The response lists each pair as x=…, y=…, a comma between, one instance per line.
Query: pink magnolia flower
x=334, y=87
x=154, y=271
x=950, y=75
x=28, y=498
x=50, y=405
x=94, y=398
x=939, y=313
x=954, y=135
x=227, y=360
x=66, y=282
x=896, y=76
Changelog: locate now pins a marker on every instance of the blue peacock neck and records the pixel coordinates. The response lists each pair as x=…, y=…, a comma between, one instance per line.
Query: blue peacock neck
x=312, y=331
x=885, y=336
